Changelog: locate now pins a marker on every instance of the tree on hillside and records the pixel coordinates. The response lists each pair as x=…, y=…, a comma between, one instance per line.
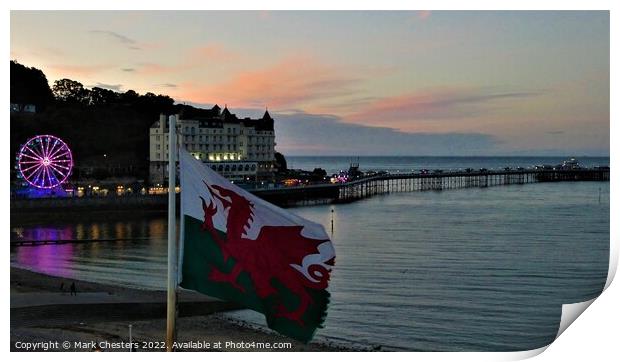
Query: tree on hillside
x=130, y=97
x=101, y=96
x=29, y=86
x=155, y=104
x=70, y=91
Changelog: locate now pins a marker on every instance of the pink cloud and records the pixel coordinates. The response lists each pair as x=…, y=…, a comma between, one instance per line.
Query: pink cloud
x=288, y=83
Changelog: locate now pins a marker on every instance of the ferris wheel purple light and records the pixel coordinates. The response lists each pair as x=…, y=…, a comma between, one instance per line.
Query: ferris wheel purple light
x=45, y=161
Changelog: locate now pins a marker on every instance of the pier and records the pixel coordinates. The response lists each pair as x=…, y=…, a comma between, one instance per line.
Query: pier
x=409, y=182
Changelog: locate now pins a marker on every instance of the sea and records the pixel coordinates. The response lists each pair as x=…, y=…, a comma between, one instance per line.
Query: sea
x=478, y=269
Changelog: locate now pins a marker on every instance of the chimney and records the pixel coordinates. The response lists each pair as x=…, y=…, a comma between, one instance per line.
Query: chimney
x=162, y=122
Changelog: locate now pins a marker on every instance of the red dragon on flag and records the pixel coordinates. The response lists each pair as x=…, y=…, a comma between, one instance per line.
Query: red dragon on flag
x=240, y=248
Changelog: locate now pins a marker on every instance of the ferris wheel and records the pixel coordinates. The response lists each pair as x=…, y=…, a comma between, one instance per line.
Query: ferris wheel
x=45, y=161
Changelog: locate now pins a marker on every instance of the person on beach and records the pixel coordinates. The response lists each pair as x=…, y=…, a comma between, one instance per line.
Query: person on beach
x=73, y=289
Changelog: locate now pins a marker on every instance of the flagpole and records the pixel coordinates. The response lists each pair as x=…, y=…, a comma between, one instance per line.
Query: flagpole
x=172, y=258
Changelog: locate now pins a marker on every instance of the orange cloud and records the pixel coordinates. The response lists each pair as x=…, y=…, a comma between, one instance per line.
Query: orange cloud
x=288, y=83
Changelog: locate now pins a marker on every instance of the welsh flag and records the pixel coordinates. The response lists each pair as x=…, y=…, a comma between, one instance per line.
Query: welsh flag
x=237, y=247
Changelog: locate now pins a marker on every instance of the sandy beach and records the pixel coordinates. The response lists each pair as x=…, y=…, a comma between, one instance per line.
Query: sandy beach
x=44, y=317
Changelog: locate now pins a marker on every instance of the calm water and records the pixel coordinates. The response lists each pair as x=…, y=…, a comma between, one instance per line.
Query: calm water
x=471, y=269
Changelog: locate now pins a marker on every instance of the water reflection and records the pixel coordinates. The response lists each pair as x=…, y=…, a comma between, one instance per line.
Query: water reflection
x=43, y=233
x=53, y=259
x=137, y=247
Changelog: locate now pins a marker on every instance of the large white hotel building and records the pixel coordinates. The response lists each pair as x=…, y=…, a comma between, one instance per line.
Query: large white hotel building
x=237, y=148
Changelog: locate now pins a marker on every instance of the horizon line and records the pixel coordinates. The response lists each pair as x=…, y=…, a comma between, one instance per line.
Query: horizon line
x=460, y=156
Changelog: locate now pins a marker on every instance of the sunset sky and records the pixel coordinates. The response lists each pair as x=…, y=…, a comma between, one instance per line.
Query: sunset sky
x=354, y=83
